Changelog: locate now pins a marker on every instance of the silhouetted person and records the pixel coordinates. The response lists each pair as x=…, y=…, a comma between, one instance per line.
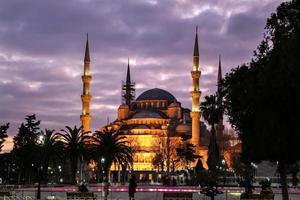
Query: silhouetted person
x=174, y=181
x=82, y=188
x=132, y=187
x=105, y=186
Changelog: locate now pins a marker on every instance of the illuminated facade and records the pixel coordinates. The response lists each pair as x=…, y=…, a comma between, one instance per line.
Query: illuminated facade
x=155, y=121
x=152, y=118
x=85, y=116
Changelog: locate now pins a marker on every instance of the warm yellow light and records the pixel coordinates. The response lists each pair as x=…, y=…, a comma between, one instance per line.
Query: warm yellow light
x=235, y=193
x=196, y=109
x=87, y=72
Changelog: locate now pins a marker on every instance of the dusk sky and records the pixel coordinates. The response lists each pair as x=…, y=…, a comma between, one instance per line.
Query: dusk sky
x=42, y=48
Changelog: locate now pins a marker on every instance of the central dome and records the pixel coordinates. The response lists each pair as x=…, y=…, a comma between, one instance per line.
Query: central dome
x=156, y=94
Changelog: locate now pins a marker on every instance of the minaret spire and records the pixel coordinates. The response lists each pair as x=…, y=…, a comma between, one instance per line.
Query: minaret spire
x=196, y=93
x=87, y=50
x=128, y=90
x=220, y=70
x=128, y=73
x=86, y=96
x=196, y=51
x=219, y=126
x=196, y=48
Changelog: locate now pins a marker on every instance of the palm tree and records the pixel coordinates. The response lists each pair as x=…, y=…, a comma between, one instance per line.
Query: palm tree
x=212, y=111
x=51, y=151
x=74, y=145
x=111, y=147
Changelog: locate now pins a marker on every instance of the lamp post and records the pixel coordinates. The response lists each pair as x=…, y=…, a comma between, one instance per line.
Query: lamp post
x=224, y=172
x=40, y=141
x=105, y=184
x=102, y=167
x=59, y=173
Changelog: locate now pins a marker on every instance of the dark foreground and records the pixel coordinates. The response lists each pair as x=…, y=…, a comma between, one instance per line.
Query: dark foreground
x=143, y=192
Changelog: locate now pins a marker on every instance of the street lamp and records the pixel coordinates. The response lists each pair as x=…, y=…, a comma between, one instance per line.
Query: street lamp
x=102, y=167
x=223, y=162
x=104, y=181
x=40, y=141
x=59, y=173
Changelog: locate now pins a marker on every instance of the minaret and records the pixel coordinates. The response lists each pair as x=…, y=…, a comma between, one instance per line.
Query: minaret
x=128, y=81
x=86, y=96
x=219, y=72
x=196, y=93
x=219, y=126
x=128, y=90
x=219, y=84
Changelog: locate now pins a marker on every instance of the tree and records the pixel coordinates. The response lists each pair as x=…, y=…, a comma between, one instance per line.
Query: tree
x=158, y=161
x=25, y=148
x=166, y=155
x=212, y=111
x=3, y=134
x=186, y=152
x=262, y=98
x=111, y=147
x=28, y=132
x=74, y=143
x=50, y=151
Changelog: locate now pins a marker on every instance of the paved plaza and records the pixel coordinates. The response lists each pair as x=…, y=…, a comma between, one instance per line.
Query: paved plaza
x=143, y=193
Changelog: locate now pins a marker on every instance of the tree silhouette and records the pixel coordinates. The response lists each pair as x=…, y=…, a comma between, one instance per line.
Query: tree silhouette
x=113, y=148
x=51, y=151
x=186, y=152
x=25, y=148
x=74, y=143
x=262, y=98
x=3, y=134
x=212, y=112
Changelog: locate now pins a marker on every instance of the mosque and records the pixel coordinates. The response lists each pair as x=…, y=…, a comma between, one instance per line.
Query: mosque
x=155, y=120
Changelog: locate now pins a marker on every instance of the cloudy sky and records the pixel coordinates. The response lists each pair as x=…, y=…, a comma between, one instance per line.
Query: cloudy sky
x=42, y=48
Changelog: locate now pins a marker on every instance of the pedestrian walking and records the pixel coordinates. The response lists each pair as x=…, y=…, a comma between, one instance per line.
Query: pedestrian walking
x=132, y=187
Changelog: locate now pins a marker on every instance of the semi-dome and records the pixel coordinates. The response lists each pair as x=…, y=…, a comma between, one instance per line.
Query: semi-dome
x=148, y=114
x=156, y=94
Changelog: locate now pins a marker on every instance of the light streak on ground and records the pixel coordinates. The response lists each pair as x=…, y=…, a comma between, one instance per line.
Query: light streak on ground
x=142, y=188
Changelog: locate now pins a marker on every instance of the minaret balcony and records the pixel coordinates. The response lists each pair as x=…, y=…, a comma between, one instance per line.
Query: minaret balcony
x=86, y=98
x=195, y=94
x=86, y=79
x=195, y=74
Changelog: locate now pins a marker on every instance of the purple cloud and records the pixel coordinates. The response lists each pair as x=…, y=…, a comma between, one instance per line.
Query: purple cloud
x=42, y=47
